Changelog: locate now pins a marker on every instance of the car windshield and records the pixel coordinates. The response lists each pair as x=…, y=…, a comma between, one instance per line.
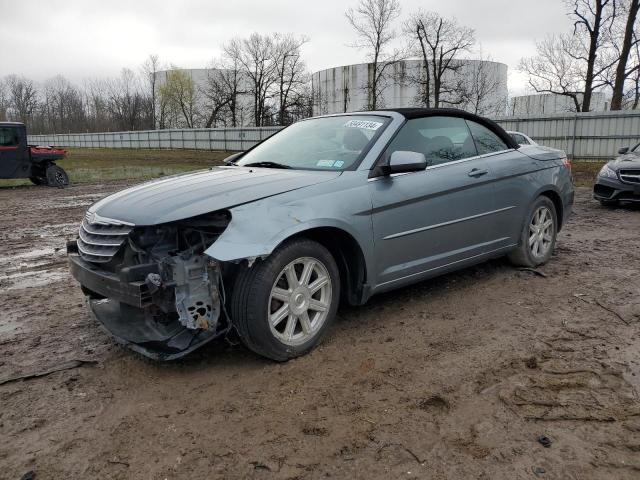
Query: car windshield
x=328, y=143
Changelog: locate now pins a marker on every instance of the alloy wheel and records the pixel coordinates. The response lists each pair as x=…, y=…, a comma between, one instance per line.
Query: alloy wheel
x=541, y=231
x=299, y=301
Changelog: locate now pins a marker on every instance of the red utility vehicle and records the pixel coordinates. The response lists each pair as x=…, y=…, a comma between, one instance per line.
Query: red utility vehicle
x=19, y=160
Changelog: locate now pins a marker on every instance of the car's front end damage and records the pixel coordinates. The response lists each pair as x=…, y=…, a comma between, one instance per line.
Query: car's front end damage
x=152, y=288
x=146, y=256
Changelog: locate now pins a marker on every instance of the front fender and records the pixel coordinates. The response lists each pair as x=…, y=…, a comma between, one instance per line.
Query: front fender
x=256, y=229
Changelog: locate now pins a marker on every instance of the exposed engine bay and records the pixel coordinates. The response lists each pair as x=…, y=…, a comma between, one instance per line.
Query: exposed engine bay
x=153, y=287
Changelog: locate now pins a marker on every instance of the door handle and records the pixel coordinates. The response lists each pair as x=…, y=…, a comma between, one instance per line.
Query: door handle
x=476, y=172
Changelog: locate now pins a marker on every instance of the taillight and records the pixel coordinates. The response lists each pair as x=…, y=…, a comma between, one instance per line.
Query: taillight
x=567, y=163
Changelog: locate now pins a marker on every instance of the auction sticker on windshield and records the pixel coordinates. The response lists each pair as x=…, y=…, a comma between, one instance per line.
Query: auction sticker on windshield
x=364, y=124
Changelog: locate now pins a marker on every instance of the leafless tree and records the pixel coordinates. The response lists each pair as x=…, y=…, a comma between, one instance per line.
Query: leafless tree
x=576, y=65
x=62, y=106
x=126, y=103
x=255, y=55
x=556, y=68
x=23, y=97
x=481, y=89
x=592, y=19
x=291, y=74
x=625, y=40
x=216, y=98
x=96, y=106
x=233, y=80
x=631, y=99
x=150, y=68
x=439, y=42
x=373, y=22
x=226, y=82
x=4, y=100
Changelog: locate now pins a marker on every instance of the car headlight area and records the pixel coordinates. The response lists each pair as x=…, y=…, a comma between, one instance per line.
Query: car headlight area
x=607, y=172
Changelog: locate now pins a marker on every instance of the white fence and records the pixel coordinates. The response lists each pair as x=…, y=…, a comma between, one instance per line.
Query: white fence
x=229, y=139
x=593, y=136
x=584, y=136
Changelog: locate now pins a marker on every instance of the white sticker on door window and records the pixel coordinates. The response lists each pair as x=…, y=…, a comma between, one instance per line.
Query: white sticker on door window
x=364, y=124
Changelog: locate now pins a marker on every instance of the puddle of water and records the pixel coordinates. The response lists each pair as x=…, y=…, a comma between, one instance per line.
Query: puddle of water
x=48, y=231
x=8, y=324
x=64, y=204
x=22, y=280
x=31, y=254
x=91, y=196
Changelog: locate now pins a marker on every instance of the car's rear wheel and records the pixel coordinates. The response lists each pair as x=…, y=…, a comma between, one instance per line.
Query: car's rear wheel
x=57, y=177
x=282, y=306
x=538, y=237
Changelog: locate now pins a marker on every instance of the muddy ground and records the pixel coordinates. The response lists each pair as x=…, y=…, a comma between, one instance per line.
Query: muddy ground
x=453, y=378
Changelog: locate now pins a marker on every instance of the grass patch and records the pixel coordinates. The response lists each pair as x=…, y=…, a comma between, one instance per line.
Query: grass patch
x=585, y=173
x=89, y=165
x=94, y=165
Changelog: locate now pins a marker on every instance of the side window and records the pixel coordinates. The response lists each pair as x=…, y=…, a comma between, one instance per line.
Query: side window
x=524, y=140
x=8, y=137
x=486, y=140
x=519, y=139
x=441, y=139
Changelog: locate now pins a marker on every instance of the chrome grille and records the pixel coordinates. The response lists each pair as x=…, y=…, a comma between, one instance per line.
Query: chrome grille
x=100, y=238
x=630, y=176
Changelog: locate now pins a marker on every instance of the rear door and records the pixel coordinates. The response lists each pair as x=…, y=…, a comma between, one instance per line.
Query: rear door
x=429, y=220
x=11, y=153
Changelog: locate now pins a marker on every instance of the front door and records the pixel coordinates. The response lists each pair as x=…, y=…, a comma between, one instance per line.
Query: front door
x=424, y=222
x=10, y=153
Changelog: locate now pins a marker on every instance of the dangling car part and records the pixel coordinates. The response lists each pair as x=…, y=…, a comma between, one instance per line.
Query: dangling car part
x=152, y=287
x=330, y=209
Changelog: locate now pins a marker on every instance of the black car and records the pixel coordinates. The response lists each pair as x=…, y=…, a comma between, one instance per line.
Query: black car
x=619, y=180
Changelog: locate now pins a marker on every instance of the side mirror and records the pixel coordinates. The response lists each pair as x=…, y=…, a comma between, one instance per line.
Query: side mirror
x=231, y=159
x=623, y=150
x=401, y=162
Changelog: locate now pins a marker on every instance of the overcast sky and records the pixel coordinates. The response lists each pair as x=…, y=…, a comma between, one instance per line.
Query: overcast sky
x=89, y=38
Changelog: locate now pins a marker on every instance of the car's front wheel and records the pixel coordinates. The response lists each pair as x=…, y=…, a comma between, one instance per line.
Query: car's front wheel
x=538, y=237
x=282, y=306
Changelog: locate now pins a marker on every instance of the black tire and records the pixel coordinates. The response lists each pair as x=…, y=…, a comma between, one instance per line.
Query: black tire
x=38, y=180
x=57, y=177
x=251, y=302
x=524, y=255
x=609, y=203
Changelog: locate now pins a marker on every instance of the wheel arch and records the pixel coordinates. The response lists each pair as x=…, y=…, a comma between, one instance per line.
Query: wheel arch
x=347, y=253
x=555, y=197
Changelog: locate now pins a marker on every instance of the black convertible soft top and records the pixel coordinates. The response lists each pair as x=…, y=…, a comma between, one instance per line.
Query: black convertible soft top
x=412, y=113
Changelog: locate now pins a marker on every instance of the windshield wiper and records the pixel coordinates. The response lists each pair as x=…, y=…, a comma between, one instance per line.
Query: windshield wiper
x=267, y=165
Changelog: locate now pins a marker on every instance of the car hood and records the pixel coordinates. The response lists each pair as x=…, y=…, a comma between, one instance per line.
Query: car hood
x=628, y=160
x=189, y=195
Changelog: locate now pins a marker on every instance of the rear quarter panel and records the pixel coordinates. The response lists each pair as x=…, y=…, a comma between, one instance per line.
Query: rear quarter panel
x=520, y=179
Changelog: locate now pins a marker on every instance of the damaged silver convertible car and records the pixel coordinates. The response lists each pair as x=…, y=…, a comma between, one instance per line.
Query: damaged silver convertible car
x=330, y=209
